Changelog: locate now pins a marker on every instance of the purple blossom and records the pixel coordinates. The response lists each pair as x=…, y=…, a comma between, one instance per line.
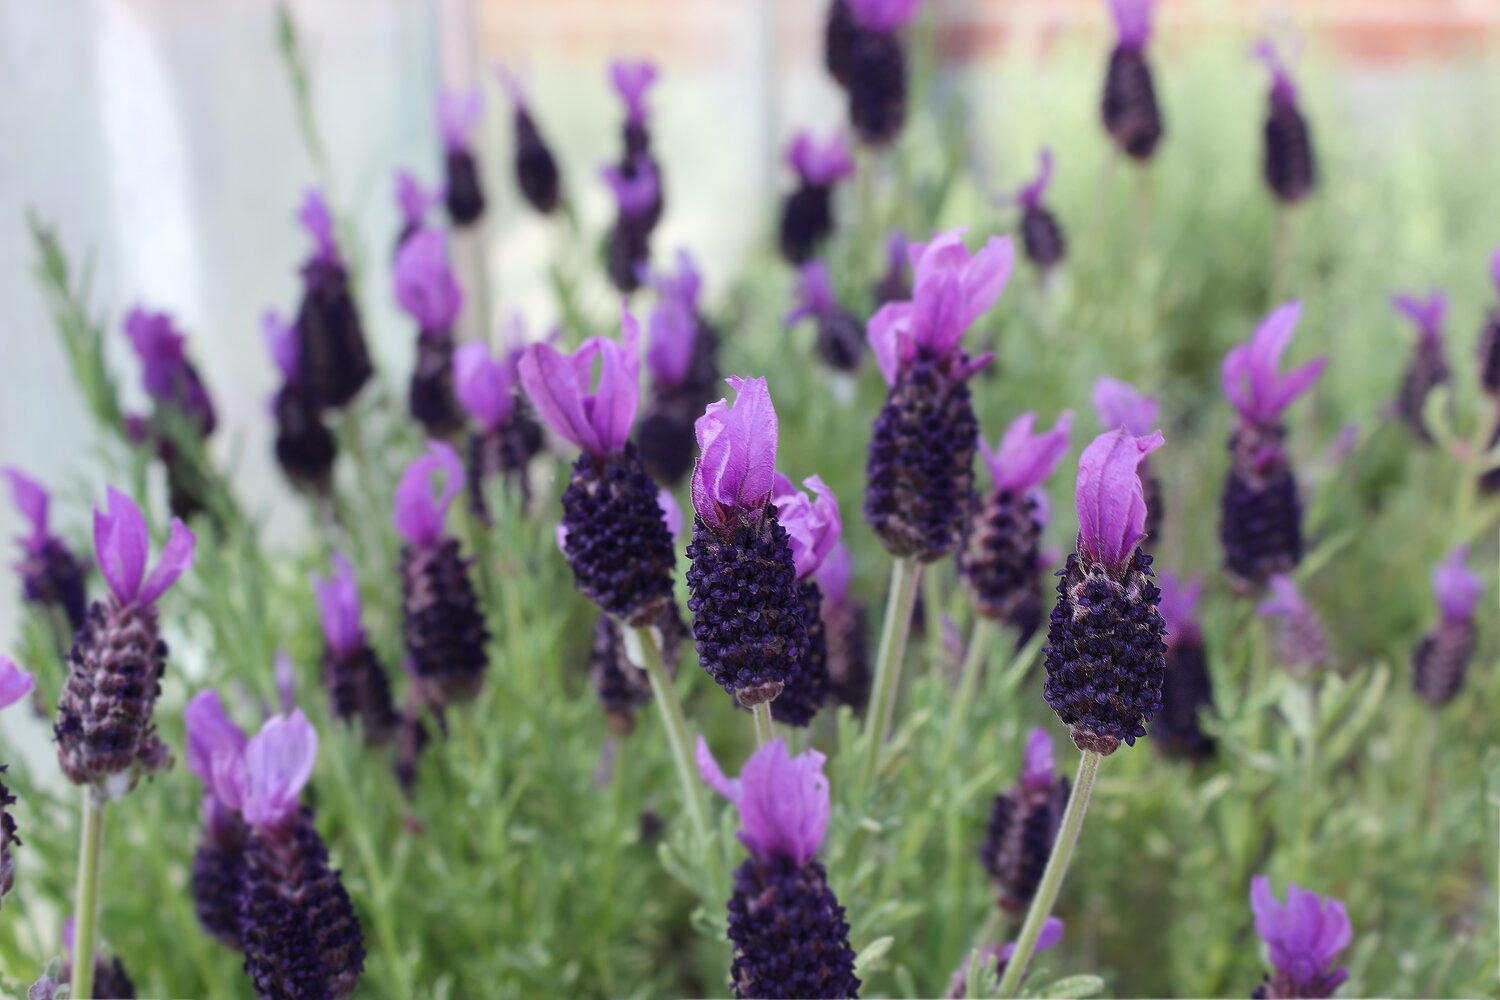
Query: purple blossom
x=736, y=467
x=1427, y=314
x=1285, y=600
x=458, y=114
x=558, y=385
x=820, y=165
x=282, y=344
x=1303, y=936
x=1109, y=497
x=1120, y=404
x=1495, y=268
x=214, y=746
x=631, y=78
x=1038, y=770
x=338, y=600
x=783, y=800
x=1179, y=605
x=484, y=384
x=951, y=289
x=1023, y=459
x=286, y=681
x=318, y=222
x=15, y=683
x=160, y=348
x=636, y=191
x=413, y=200
x=121, y=545
x=277, y=764
x=419, y=515
x=812, y=523
x=1031, y=195
x=1132, y=22
x=425, y=284
x=1282, y=87
x=814, y=293
x=1250, y=375
x=1456, y=587
x=32, y=501
x=672, y=333
x=883, y=16
x=683, y=286
x=836, y=574
x=671, y=511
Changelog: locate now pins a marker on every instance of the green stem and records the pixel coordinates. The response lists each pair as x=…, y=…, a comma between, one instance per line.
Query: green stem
x=979, y=645
x=765, y=732
x=989, y=933
x=86, y=896
x=1052, y=878
x=906, y=573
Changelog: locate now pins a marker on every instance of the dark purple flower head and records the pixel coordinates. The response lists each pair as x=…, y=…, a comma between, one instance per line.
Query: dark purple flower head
x=458, y=115
x=425, y=284
x=812, y=523
x=1032, y=194
x=160, y=347
x=214, y=748
x=419, y=515
x=1456, y=587
x=1023, y=459
x=815, y=295
x=338, y=600
x=783, y=800
x=31, y=501
x=1251, y=373
x=414, y=201
x=820, y=165
x=635, y=191
x=1120, y=404
x=485, y=384
x=952, y=288
x=318, y=222
x=1426, y=314
x=1283, y=89
x=282, y=344
x=1109, y=498
x=1132, y=22
x=121, y=546
x=631, y=78
x=736, y=467
x=883, y=16
x=1179, y=607
x=15, y=683
x=558, y=385
x=1304, y=936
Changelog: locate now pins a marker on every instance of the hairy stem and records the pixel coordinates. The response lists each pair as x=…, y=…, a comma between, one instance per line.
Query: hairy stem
x=765, y=732
x=906, y=573
x=86, y=894
x=979, y=645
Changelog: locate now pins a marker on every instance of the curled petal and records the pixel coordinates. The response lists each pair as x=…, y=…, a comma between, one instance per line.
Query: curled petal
x=1109, y=498
x=820, y=165
x=425, y=284
x=338, y=601
x=1038, y=769
x=1427, y=314
x=1120, y=404
x=282, y=344
x=278, y=764
x=670, y=512
x=836, y=574
x=1132, y=21
x=458, y=114
x=1179, y=603
x=1032, y=194
x=812, y=524
x=318, y=222
x=737, y=466
x=483, y=384
x=631, y=79
x=713, y=775
x=783, y=802
x=1023, y=459
x=419, y=515
x=211, y=734
x=889, y=334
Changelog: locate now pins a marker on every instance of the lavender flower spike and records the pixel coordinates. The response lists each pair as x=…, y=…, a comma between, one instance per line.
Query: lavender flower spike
x=845, y=626
x=1104, y=651
x=874, y=67
x=169, y=376
x=15, y=684
x=807, y=213
x=748, y=620
x=631, y=79
x=1442, y=657
x=507, y=435
x=1187, y=690
x=1023, y=825
x=788, y=930
x=1041, y=235
x=1303, y=937
x=429, y=292
x=1290, y=167
x=357, y=683
x=1489, y=341
x=840, y=340
x=682, y=358
x=813, y=525
x=458, y=116
x=51, y=575
x=636, y=186
x=305, y=447
x=1302, y=644
x=1129, y=109
x=536, y=168
x=214, y=748
x=1428, y=367
x=334, y=358
x=414, y=202
x=1120, y=404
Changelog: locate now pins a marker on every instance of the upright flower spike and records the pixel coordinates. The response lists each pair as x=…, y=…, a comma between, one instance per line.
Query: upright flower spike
x=1428, y=367
x=428, y=292
x=1131, y=116
x=895, y=284
x=1303, y=937
x=617, y=541
x=876, y=69
x=458, y=114
x=1104, y=651
x=1002, y=537
x=446, y=637
x=1187, y=690
x=813, y=526
x=846, y=626
x=219, y=862
x=840, y=341
x=637, y=198
x=1442, y=657
x=1041, y=235
x=1489, y=341
x=358, y=686
x=414, y=202
x=15, y=684
x=682, y=358
x=305, y=447
x=1120, y=404
x=1051, y=937
x=1301, y=643
x=1261, y=515
x=788, y=930
x=105, y=733
x=169, y=377
x=334, y=360
x=536, y=170
x=631, y=79
x=840, y=31
x=1290, y=167
x=748, y=619
x=920, y=467
x=807, y=213
x=51, y=576
x=506, y=435
x=1023, y=824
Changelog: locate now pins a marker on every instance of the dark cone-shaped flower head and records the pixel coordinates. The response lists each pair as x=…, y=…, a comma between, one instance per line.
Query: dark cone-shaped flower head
x=51, y=576
x=15, y=684
x=876, y=69
x=1489, y=342
x=1104, y=651
x=637, y=197
x=1290, y=168
x=840, y=32
x=1187, y=691
x=1129, y=109
x=813, y=525
x=1303, y=937
x=1023, y=824
x=846, y=626
x=358, y=686
x=1428, y=367
x=1041, y=234
x=458, y=116
x=622, y=687
x=788, y=930
x=536, y=170
x=807, y=213
x=334, y=360
x=219, y=872
x=305, y=447
x=1442, y=657
x=428, y=291
x=920, y=466
x=840, y=341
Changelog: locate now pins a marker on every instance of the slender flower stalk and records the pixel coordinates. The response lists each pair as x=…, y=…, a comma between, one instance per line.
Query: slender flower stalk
x=86, y=890
x=906, y=578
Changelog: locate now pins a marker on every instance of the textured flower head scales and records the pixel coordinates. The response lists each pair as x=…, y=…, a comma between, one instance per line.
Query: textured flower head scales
x=338, y=600
x=635, y=191
x=783, y=800
x=160, y=347
x=1456, y=587
x=1303, y=936
x=15, y=683
x=122, y=545
x=1132, y=22
x=282, y=344
x=820, y=164
x=1031, y=195
x=1427, y=314
x=1120, y=404
x=1179, y=605
x=1024, y=459
x=419, y=515
x=32, y=502
x=631, y=78
x=318, y=222
x=458, y=114
x=736, y=466
x=814, y=292
x=812, y=523
x=426, y=286
x=884, y=16
x=1109, y=497
x=484, y=384
x=214, y=747
x=1282, y=86
x=1251, y=373
x=596, y=418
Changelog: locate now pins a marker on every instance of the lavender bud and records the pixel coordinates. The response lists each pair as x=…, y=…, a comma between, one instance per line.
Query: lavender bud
x=430, y=398
x=839, y=35
x=1042, y=237
x=305, y=447
x=1260, y=513
x=806, y=220
x=1289, y=164
x=536, y=169
x=1023, y=824
x=1187, y=689
x=52, y=576
x=1442, y=657
x=1129, y=108
x=333, y=358
x=789, y=933
x=806, y=688
x=1301, y=643
x=446, y=636
x=219, y=871
x=877, y=87
x=998, y=558
x=359, y=689
x=1427, y=369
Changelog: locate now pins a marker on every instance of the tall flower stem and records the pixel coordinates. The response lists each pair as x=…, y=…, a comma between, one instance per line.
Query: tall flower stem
x=979, y=646
x=86, y=895
x=1052, y=878
x=764, y=731
x=906, y=574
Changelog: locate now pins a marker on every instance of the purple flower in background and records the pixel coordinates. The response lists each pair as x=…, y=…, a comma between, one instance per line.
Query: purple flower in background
x=1489, y=341
x=895, y=284
x=419, y=515
x=1104, y=651
x=1050, y=937
x=1301, y=644
x=595, y=417
x=110, y=976
x=305, y=447
x=840, y=339
x=1441, y=659
x=1251, y=374
x=788, y=930
x=1290, y=167
x=1303, y=936
x=214, y=747
x=813, y=526
x=1187, y=690
x=873, y=66
x=536, y=168
x=1129, y=109
x=1041, y=234
x=169, y=377
x=636, y=186
x=334, y=360
x=15, y=684
x=485, y=384
x=672, y=337
x=429, y=292
x=807, y=213
x=507, y=436
x=358, y=686
x=51, y=575
x=282, y=344
x=631, y=79
x=458, y=114
x=414, y=202
x=1428, y=367
x=845, y=628
x=1119, y=404
x=1023, y=825
x=682, y=356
